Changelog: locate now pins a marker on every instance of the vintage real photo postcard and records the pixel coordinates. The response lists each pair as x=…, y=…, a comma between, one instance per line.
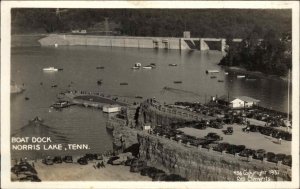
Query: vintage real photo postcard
x=149, y=94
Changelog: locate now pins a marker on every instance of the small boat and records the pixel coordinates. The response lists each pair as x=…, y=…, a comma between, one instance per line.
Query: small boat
x=177, y=82
x=140, y=97
x=123, y=83
x=99, y=82
x=26, y=98
x=212, y=71
x=53, y=86
x=172, y=64
x=220, y=80
x=213, y=77
x=240, y=76
x=147, y=67
x=61, y=104
x=100, y=67
x=226, y=73
x=60, y=69
x=50, y=69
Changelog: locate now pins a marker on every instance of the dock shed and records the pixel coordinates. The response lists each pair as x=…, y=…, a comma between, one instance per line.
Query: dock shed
x=237, y=102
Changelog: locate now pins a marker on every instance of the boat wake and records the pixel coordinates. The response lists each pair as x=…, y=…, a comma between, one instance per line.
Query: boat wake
x=41, y=130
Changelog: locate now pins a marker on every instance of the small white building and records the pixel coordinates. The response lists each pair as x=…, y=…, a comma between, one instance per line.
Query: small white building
x=238, y=102
x=146, y=127
x=111, y=108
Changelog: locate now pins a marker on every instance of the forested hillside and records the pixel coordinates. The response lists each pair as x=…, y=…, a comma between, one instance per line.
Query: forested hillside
x=155, y=22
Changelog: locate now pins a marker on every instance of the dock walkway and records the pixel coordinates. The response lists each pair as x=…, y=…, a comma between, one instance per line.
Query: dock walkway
x=91, y=99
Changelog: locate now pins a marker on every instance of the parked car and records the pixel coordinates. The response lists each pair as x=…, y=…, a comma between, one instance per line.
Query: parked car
x=280, y=157
x=287, y=160
x=221, y=147
x=228, y=131
x=82, y=161
x=23, y=167
x=48, y=160
x=247, y=152
x=213, y=136
x=259, y=154
x=68, y=159
x=57, y=159
x=111, y=159
x=271, y=157
x=233, y=149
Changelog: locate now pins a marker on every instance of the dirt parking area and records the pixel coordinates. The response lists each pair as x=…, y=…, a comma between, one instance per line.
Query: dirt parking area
x=253, y=140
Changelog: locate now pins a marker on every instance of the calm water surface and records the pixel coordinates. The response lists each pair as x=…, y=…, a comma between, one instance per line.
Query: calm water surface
x=87, y=126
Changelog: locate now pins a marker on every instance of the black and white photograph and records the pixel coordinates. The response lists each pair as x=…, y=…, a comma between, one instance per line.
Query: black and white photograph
x=148, y=93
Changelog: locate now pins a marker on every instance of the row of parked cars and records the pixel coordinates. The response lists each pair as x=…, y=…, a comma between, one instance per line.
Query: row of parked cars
x=138, y=165
x=49, y=160
x=155, y=174
x=269, y=131
x=275, y=119
x=213, y=141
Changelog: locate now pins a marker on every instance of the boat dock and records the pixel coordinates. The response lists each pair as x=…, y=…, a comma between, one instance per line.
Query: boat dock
x=91, y=99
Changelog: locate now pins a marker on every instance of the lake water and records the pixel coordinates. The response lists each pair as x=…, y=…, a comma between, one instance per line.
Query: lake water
x=87, y=126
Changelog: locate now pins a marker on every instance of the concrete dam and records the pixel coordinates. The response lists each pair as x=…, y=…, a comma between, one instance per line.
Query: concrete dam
x=199, y=44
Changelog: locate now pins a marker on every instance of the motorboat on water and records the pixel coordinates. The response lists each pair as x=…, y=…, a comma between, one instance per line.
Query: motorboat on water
x=212, y=71
x=240, y=76
x=123, y=83
x=148, y=67
x=136, y=66
x=213, y=77
x=177, y=82
x=220, y=80
x=99, y=82
x=172, y=64
x=50, y=69
x=226, y=73
x=61, y=104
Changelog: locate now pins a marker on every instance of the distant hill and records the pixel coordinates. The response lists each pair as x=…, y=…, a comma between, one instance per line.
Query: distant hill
x=154, y=22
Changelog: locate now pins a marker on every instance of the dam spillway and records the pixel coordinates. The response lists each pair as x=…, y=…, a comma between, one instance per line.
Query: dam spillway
x=200, y=44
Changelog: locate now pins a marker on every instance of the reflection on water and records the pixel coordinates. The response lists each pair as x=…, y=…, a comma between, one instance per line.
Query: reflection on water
x=87, y=126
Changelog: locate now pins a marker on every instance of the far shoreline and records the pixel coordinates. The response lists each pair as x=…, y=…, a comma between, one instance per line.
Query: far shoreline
x=258, y=74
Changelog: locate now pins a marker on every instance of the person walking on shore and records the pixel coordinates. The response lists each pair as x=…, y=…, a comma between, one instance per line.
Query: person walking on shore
x=279, y=140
